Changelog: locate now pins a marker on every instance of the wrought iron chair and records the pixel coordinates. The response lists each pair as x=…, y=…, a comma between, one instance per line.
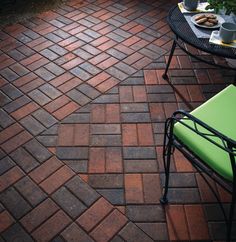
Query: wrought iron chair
x=207, y=138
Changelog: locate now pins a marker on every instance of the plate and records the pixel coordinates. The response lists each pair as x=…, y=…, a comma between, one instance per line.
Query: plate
x=219, y=18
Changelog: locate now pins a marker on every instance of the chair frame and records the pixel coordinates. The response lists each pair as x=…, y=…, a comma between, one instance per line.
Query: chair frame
x=228, y=145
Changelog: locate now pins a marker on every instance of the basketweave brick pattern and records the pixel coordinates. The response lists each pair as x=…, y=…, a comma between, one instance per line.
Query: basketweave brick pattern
x=82, y=114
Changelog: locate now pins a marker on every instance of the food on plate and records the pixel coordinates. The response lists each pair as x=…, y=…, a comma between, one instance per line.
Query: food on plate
x=209, y=24
x=208, y=20
x=200, y=17
x=214, y=21
x=211, y=16
x=201, y=21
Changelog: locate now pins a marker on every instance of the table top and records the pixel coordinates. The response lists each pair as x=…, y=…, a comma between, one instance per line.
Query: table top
x=182, y=30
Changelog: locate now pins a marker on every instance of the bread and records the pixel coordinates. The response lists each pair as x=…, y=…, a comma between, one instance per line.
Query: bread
x=212, y=20
x=210, y=16
x=200, y=17
x=201, y=21
x=208, y=24
x=208, y=20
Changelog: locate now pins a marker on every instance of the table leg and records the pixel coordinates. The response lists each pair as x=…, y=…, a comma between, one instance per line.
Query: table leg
x=165, y=76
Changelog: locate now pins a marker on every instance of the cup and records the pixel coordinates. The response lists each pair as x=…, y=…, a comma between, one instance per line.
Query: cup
x=227, y=32
x=190, y=5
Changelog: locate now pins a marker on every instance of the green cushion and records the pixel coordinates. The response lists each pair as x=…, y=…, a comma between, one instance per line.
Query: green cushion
x=219, y=112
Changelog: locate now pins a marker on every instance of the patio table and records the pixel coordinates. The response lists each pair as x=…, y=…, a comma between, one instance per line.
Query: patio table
x=185, y=35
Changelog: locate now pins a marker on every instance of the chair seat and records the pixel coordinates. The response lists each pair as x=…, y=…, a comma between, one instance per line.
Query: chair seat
x=219, y=112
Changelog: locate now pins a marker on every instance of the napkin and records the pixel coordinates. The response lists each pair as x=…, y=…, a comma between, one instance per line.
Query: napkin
x=200, y=9
x=215, y=39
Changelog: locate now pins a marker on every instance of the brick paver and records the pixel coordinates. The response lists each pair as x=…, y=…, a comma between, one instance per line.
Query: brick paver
x=83, y=105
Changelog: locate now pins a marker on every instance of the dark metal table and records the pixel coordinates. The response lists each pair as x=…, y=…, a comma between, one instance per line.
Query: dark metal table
x=184, y=34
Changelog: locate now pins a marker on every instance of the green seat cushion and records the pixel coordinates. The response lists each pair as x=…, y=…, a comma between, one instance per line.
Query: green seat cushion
x=219, y=112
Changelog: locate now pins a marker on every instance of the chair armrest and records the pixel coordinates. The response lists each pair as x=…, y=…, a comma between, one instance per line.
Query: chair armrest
x=228, y=144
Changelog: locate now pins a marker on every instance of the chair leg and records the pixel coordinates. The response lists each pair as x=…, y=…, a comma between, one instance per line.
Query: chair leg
x=231, y=213
x=164, y=199
x=167, y=151
x=165, y=76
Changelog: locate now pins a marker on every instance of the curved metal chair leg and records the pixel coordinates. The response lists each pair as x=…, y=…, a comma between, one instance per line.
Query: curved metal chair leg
x=167, y=152
x=164, y=199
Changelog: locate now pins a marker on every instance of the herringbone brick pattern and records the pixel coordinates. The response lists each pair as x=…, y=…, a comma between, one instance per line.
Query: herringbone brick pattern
x=83, y=106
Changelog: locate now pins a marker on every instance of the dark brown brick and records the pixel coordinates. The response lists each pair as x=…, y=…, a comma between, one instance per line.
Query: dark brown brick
x=31, y=191
x=97, y=160
x=70, y=153
x=65, y=110
x=94, y=214
x=39, y=214
x=10, y=132
x=184, y=195
x=10, y=177
x=39, y=97
x=75, y=233
x=5, y=164
x=145, y=136
x=45, y=170
x=82, y=190
x=6, y=220
x=51, y=227
x=106, y=181
x=16, y=231
x=32, y=125
x=15, y=203
x=106, y=140
x=73, y=135
x=133, y=188
x=114, y=160
x=157, y=231
x=152, y=188
x=112, y=113
x=69, y=203
x=145, y=213
x=181, y=180
x=37, y=150
x=140, y=166
x=5, y=119
x=58, y=178
x=195, y=215
x=57, y=103
x=177, y=230
x=45, y=118
x=109, y=226
x=132, y=232
x=139, y=153
x=25, y=110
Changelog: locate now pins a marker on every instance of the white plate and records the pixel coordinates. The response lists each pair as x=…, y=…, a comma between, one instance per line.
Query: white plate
x=219, y=18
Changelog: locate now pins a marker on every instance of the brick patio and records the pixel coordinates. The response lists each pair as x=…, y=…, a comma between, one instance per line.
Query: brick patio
x=83, y=105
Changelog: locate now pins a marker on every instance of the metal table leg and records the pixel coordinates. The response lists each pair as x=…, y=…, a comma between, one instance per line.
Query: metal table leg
x=165, y=76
